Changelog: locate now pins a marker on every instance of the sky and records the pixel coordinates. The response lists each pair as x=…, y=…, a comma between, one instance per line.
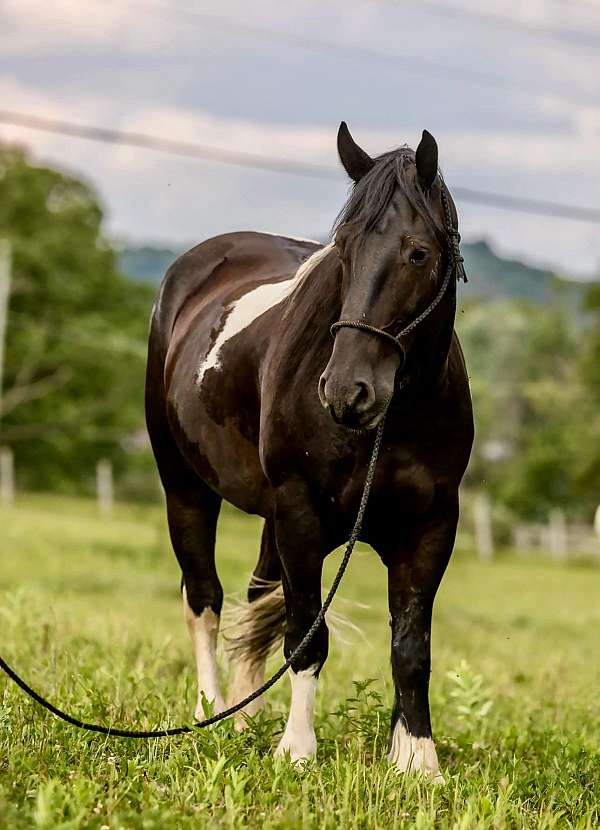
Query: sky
x=511, y=91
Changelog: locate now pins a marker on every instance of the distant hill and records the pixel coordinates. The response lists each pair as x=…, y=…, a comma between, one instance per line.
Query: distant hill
x=491, y=277
x=496, y=278
x=147, y=263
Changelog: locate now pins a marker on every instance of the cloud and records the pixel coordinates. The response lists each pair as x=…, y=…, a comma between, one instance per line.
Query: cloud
x=120, y=65
x=41, y=27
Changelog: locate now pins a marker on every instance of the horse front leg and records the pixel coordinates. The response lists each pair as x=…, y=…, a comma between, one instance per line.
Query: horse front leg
x=414, y=574
x=301, y=549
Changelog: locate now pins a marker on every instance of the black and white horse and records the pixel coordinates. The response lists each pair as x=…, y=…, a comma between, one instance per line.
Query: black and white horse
x=249, y=399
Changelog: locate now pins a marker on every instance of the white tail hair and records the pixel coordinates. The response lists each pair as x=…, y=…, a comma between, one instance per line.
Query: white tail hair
x=254, y=630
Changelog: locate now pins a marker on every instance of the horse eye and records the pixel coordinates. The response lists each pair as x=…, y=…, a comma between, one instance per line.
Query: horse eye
x=418, y=256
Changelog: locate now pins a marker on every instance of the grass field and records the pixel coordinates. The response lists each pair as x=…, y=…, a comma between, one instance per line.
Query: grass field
x=90, y=614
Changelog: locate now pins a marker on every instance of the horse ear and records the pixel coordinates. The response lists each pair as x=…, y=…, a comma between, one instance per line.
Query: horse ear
x=426, y=158
x=356, y=162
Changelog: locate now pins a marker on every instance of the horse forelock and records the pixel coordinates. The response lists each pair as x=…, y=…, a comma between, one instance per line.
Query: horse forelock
x=372, y=195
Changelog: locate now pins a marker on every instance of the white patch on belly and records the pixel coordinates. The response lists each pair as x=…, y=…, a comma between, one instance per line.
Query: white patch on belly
x=410, y=754
x=299, y=738
x=250, y=306
x=203, y=631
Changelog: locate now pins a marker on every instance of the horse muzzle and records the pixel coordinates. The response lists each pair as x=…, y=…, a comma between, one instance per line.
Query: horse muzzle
x=352, y=403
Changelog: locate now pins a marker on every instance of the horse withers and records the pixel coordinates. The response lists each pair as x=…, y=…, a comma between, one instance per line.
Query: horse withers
x=249, y=399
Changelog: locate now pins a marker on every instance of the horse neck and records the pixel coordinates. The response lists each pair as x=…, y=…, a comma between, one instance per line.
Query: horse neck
x=308, y=314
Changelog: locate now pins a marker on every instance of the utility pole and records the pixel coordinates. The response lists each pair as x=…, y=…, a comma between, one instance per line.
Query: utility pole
x=482, y=518
x=104, y=488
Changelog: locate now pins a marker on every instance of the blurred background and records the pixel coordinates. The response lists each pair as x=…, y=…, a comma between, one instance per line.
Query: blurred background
x=133, y=129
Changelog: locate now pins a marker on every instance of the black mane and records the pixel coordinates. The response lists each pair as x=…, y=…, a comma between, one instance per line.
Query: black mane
x=315, y=303
x=371, y=196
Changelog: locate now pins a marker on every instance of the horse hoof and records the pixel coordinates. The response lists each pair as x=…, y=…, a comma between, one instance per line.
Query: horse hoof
x=410, y=754
x=297, y=752
x=428, y=776
x=240, y=722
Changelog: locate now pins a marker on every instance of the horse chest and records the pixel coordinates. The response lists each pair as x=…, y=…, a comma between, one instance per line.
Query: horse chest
x=404, y=489
x=407, y=483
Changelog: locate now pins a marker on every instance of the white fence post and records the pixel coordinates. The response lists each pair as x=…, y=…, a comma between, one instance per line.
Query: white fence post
x=482, y=517
x=7, y=477
x=521, y=540
x=557, y=535
x=104, y=487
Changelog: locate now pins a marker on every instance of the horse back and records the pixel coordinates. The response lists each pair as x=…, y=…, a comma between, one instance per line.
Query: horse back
x=224, y=267
x=199, y=409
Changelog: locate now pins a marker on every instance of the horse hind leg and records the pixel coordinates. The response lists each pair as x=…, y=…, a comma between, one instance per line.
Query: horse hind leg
x=257, y=628
x=302, y=548
x=192, y=516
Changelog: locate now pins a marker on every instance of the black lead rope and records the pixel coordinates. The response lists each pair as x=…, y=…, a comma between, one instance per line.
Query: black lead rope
x=298, y=651
x=456, y=267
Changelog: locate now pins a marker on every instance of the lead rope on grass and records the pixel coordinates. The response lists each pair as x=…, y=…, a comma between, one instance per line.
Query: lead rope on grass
x=300, y=648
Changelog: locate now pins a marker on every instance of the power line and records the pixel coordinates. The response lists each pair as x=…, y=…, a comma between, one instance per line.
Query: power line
x=275, y=164
x=577, y=37
x=414, y=64
x=538, y=207
x=187, y=149
x=588, y=5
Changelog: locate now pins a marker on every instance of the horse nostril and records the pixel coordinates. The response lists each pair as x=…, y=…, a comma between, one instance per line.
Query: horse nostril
x=322, y=397
x=364, y=397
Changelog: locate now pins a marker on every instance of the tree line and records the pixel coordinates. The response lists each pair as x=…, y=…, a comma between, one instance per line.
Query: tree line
x=75, y=358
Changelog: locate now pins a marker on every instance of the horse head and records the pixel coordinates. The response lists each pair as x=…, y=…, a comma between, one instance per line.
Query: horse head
x=394, y=242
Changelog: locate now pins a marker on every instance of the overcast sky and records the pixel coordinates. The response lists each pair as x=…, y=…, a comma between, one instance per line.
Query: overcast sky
x=515, y=107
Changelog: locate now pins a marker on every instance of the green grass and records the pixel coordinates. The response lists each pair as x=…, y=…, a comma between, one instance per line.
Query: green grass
x=90, y=614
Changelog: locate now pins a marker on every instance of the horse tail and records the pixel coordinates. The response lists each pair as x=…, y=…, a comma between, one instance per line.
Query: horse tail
x=254, y=630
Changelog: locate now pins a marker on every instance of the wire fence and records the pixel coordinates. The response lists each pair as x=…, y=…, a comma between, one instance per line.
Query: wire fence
x=563, y=541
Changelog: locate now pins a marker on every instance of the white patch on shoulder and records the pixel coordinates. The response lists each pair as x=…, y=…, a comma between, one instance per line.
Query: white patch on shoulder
x=240, y=315
x=250, y=306
x=203, y=632
x=410, y=754
x=311, y=263
x=299, y=738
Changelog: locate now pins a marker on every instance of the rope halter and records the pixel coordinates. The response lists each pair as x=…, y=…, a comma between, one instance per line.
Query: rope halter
x=454, y=268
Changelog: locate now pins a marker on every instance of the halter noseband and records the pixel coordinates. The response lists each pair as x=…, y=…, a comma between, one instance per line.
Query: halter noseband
x=455, y=267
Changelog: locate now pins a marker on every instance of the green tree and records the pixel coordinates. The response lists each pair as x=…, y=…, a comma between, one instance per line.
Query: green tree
x=588, y=478
x=532, y=407
x=77, y=330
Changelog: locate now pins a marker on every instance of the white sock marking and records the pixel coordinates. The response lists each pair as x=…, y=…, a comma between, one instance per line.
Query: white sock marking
x=203, y=631
x=299, y=736
x=411, y=754
x=250, y=306
x=247, y=677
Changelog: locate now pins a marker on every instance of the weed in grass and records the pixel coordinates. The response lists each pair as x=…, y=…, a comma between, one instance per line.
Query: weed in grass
x=89, y=612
